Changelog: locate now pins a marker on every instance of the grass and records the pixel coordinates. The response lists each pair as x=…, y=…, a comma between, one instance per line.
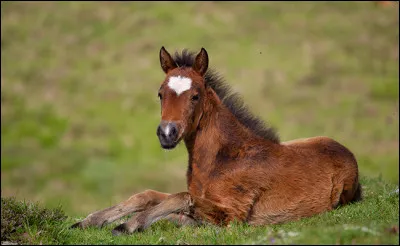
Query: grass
x=79, y=83
x=371, y=221
x=19, y=219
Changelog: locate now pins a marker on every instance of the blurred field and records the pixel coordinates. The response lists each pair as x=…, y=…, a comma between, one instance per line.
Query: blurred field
x=79, y=82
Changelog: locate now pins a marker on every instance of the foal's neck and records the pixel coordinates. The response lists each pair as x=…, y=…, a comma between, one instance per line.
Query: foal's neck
x=217, y=129
x=220, y=142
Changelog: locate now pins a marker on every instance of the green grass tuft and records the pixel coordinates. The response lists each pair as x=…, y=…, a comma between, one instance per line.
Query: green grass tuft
x=23, y=221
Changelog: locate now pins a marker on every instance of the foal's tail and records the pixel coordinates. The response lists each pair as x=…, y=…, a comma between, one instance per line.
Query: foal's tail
x=357, y=194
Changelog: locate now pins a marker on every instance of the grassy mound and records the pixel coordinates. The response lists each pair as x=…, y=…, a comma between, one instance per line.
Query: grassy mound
x=22, y=220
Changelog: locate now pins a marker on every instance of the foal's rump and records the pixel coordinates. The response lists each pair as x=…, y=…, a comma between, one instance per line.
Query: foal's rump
x=314, y=175
x=337, y=160
x=322, y=152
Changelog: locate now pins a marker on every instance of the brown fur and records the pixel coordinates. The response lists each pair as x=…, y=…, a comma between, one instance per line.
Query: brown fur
x=238, y=169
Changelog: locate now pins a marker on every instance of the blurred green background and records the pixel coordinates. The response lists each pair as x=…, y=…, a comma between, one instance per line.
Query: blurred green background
x=79, y=82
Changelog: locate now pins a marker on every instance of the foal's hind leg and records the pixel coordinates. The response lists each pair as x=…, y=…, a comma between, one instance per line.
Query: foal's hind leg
x=135, y=203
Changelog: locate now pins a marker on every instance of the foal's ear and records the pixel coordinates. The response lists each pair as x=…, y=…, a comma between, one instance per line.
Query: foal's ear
x=166, y=61
x=201, y=62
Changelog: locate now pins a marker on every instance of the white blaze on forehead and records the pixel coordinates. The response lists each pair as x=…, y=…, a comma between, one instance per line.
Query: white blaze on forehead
x=179, y=84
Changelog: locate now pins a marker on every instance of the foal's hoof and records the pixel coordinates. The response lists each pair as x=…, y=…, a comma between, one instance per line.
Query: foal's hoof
x=127, y=229
x=119, y=230
x=83, y=224
x=77, y=225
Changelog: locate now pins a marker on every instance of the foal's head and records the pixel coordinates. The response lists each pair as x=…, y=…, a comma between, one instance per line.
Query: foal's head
x=181, y=95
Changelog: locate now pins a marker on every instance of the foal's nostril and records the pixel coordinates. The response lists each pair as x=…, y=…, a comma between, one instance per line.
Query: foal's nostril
x=159, y=131
x=173, y=131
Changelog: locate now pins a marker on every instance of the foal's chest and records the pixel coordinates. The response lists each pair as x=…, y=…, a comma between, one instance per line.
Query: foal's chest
x=198, y=181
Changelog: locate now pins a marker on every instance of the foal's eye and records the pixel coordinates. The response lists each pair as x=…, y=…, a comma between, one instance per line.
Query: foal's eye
x=159, y=96
x=195, y=97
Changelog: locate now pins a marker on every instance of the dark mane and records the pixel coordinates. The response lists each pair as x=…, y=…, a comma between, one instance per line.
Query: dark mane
x=232, y=101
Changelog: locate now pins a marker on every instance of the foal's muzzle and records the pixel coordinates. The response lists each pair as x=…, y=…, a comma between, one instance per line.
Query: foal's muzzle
x=167, y=133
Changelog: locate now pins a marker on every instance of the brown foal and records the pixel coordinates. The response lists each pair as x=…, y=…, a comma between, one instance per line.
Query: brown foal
x=238, y=169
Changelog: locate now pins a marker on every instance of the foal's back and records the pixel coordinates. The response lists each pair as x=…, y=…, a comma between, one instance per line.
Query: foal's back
x=312, y=175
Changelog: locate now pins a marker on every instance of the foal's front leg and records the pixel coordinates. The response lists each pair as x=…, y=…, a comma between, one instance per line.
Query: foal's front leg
x=195, y=208
x=135, y=203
